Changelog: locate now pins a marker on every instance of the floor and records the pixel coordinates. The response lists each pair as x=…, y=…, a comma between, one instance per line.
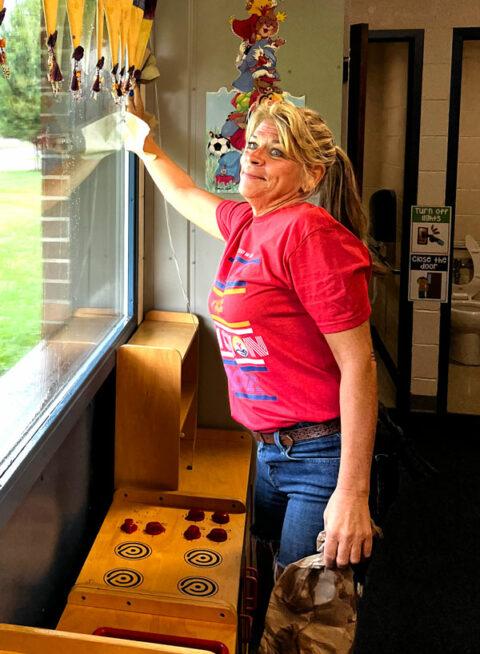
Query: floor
x=422, y=593
x=423, y=584
x=463, y=389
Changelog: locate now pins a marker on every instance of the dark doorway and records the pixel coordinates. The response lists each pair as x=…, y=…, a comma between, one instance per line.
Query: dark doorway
x=385, y=90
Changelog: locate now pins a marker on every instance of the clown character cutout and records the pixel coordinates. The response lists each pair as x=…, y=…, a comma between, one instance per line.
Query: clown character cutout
x=257, y=81
x=257, y=56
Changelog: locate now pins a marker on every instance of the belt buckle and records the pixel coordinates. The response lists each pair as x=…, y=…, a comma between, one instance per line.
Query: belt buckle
x=288, y=438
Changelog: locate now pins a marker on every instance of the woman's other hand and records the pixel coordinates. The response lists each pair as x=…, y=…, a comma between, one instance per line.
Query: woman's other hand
x=347, y=515
x=348, y=528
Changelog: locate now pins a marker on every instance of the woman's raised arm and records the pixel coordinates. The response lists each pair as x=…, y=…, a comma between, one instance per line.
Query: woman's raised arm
x=178, y=188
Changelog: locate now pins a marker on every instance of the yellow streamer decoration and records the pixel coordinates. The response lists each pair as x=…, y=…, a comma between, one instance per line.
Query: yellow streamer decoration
x=50, y=12
x=145, y=30
x=113, y=13
x=98, y=79
x=136, y=18
x=75, y=20
x=100, y=28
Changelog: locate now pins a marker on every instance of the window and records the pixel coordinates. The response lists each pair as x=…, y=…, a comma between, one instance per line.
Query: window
x=64, y=229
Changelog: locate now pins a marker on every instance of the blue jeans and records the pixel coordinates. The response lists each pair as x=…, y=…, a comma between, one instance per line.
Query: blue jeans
x=292, y=488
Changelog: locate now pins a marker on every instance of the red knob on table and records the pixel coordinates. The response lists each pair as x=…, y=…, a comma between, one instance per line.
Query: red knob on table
x=129, y=526
x=192, y=533
x=154, y=528
x=220, y=518
x=218, y=535
x=195, y=515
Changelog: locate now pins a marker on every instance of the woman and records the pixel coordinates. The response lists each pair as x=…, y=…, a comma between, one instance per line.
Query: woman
x=291, y=309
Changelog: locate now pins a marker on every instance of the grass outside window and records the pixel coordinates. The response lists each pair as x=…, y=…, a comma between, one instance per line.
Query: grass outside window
x=20, y=265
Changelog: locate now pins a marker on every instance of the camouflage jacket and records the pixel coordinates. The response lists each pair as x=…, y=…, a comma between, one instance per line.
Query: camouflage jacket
x=312, y=610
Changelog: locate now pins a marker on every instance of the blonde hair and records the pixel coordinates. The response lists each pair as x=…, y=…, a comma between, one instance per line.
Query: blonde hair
x=308, y=140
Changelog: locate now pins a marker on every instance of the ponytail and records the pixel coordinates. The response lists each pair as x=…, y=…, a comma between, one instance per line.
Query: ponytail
x=338, y=194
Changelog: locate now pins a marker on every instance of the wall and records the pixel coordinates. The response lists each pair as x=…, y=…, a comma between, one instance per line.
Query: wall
x=437, y=18
x=467, y=219
x=464, y=381
x=44, y=543
x=385, y=126
x=196, y=53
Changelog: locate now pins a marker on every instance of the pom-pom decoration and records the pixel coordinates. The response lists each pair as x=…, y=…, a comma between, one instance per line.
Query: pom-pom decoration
x=54, y=75
x=136, y=18
x=75, y=19
x=98, y=78
x=3, y=45
x=126, y=7
x=113, y=13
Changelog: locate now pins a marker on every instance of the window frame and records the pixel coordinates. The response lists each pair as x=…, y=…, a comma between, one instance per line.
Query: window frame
x=17, y=481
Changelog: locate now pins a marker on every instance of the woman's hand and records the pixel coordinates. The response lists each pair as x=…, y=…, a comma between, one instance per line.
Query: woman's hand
x=135, y=103
x=135, y=108
x=348, y=528
x=137, y=129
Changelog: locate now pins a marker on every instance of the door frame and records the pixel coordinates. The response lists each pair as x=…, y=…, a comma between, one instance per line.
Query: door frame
x=401, y=375
x=460, y=35
x=357, y=95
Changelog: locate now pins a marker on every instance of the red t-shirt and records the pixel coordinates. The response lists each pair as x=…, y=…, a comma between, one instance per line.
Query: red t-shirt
x=285, y=279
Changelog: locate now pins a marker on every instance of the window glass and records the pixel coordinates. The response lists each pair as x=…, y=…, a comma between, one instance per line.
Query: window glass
x=63, y=223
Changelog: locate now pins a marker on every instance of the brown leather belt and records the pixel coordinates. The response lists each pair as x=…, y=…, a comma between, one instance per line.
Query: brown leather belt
x=291, y=435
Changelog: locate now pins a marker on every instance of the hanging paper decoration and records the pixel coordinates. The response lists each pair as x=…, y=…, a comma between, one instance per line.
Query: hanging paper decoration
x=113, y=13
x=75, y=19
x=136, y=18
x=98, y=79
x=3, y=44
x=126, y=6
x=145, y=30
x=54, y=76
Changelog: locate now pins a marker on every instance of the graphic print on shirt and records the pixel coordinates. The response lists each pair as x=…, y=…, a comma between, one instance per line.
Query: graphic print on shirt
x=241, y=259
x=243, y=352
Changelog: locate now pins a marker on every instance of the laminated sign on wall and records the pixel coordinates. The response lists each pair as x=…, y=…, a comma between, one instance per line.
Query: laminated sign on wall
x=429, y=253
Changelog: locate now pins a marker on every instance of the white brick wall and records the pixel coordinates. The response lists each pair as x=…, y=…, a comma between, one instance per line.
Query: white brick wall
x=437, y=18
x=385, y=128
